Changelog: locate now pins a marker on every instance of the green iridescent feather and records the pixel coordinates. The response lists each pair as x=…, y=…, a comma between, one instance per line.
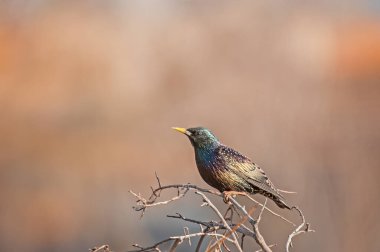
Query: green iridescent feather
x=226, y=169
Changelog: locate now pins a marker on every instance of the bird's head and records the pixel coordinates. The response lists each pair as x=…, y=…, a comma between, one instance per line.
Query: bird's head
x=200, y=137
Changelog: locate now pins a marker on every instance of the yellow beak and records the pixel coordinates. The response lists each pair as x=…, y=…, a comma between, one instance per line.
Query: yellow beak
x=182, y=130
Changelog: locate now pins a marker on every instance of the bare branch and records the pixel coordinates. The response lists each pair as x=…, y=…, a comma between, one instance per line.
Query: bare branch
x=236, y=227
x=186, y=231
x=240, y=228
x=144, y=204
x=242, y=241
x=213, y=207
x=176, y=241
x=258, y=237
x=209, y=224
x=217, y=232
x=262, y=210
x=271, y=246
x=105, y=248
x=288, y=192
x=175, y=244
x=302, y=228
x=158, y=180
x=201, y=241
x=271, y=211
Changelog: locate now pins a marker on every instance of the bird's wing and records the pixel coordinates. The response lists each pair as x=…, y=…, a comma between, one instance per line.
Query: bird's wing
x=249, y=171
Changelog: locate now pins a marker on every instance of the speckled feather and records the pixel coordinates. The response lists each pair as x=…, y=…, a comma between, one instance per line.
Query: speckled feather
x=227, y=170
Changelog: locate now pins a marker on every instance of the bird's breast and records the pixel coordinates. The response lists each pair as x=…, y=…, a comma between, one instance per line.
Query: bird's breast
x=210, y=169
x=204, y=158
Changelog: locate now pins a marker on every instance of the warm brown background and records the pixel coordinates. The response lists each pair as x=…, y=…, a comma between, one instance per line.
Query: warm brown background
x=88, y=93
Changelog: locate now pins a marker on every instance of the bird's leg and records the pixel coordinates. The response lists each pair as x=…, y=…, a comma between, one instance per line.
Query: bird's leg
x=227, y=194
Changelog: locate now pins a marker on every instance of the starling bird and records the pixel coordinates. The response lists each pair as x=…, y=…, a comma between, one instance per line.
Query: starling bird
x=227, y=170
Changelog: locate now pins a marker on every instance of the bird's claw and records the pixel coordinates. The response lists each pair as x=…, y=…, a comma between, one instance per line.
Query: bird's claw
x=228, y=194
x=226, y=198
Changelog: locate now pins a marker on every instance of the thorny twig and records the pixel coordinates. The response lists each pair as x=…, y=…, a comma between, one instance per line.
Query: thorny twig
x=177, y=240
x=211, y=229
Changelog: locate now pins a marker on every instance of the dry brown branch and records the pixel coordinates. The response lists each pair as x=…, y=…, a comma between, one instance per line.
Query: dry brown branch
x=197, y=249
x=213, y=207
x=176, y=241
x=271, y=211
x=258, y=237
x=146, y=204
x=105, y=248
x=217, y=232
x=284, y=191
x=233, y=229
x=240, y=228
x=271, y=246
x=302, y=228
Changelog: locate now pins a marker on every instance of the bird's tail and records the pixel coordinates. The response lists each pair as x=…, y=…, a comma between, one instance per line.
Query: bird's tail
x=280, y=203
x=277, y=198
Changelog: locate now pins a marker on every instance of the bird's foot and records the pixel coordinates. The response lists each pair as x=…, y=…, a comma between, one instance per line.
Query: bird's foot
x=228, y=194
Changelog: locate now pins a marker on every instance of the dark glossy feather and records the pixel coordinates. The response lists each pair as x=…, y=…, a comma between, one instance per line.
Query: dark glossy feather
x=227, y=170
x=251, y=173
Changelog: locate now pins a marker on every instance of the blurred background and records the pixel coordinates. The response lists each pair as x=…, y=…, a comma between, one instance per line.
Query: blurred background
x=89, y=91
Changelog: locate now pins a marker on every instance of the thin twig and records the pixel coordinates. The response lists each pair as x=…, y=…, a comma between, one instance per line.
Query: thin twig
x=145, y=204
x=302, y=228
x=242, y=241
x=236, y=227
x=288, y=192
x=181, y=238
x=213, y=207
x=105, y=248
x=212, y=224
x=258, y=237
x=201, y=241
x=175, y=244
x=271, y=211
x=262, y=210
x=271, y=246
x=212, y=229
x=158, y=180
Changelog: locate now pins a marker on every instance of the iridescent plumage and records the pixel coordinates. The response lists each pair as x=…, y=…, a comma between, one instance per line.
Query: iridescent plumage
x=226, y=169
